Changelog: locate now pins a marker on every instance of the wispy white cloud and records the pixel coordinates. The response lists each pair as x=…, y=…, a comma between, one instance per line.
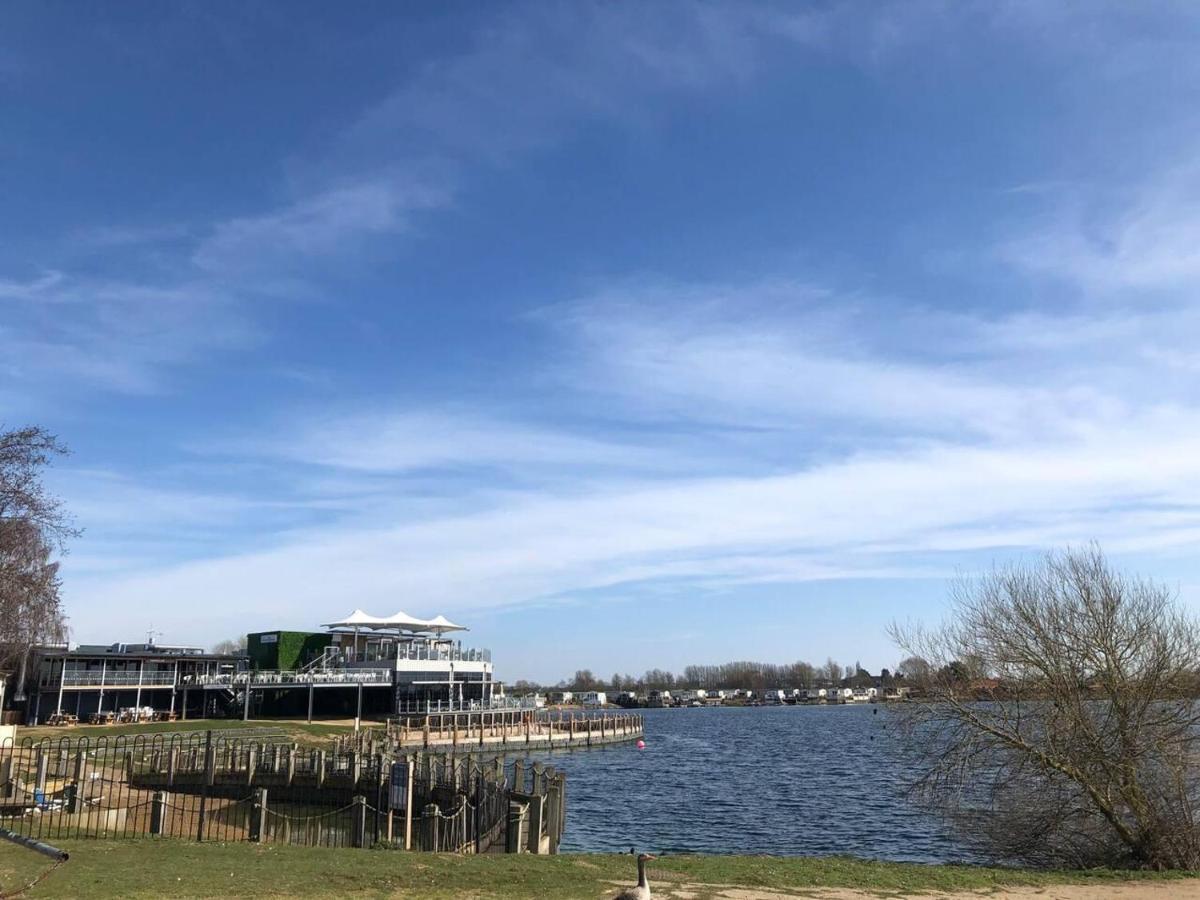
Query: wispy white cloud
x=862, y=513
x=768, y=355
x=329, y=222
x=61, y=332
x=383, y=441
x=1149, y=241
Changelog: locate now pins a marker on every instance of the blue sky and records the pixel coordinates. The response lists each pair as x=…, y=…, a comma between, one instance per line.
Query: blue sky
x=631, y=334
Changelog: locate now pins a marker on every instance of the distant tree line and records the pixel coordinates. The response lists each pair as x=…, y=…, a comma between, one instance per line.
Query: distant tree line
x=743, y=675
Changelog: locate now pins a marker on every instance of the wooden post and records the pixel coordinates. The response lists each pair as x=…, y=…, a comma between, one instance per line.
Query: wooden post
x=512, y=833
x=258, y=816
x=537, y=808
x=246, y=700
x=172, y=764
x=251, y=764
x=408, y=803
x=559, y=825
x=519, y=776
x=430, y=824
x=39, y=777
x=358, y=709
x=291, y=764
x=358, y=821
x=158, y=812
x=320, y=768
x=311, y=690
x=552, y=813
x=210, y=764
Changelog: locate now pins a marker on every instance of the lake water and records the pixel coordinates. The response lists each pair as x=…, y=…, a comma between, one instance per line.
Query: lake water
x=798, y=780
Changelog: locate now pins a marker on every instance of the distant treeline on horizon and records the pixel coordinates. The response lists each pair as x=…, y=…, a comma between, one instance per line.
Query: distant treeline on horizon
x=754, y=676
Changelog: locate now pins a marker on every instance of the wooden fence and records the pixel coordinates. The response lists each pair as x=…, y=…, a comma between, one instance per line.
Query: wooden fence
x=210, y=787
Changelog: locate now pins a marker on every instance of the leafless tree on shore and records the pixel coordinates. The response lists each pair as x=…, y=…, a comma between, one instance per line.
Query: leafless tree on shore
x=1059, y=723
x=33, y=526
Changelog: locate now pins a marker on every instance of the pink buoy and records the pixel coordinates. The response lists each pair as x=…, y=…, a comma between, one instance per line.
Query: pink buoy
x=641, y=745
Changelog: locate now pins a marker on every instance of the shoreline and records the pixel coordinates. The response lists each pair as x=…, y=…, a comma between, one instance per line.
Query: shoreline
x=165, y=867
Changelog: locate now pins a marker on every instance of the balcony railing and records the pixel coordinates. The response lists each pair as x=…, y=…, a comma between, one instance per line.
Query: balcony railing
x=331, y=676
x=112, y=679
x=443, y=652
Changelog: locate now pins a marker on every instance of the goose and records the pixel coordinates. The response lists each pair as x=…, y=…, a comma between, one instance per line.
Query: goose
x=642, y=890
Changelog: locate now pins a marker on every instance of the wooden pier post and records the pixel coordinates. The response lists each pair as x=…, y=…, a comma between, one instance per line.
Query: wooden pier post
x=158, y=812
x=80, y=778
x=258, y=816
x=537, y=808
x=358, y=822
x=516, y=818
x=553, y=812
x=39, y=777
x=430, y=821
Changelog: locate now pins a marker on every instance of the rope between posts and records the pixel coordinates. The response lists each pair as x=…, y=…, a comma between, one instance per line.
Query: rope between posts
x=7, y=895
x=278, y=815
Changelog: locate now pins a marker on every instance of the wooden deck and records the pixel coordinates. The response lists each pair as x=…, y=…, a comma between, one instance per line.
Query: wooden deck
x=517, y=730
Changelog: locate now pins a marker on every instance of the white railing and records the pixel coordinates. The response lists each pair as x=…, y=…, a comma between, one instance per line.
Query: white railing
x=337, y=676
x=115, y=679
x=418, y=652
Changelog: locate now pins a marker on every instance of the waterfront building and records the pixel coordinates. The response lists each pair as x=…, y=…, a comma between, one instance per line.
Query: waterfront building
x=359, y=664
x=103, y=679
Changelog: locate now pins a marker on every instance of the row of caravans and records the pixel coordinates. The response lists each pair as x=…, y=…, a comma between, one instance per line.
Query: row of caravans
x=775, y=697
x=590, y=699
x=700, y=697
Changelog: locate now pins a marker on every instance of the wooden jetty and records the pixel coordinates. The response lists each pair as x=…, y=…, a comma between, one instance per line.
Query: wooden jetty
x=511, y=730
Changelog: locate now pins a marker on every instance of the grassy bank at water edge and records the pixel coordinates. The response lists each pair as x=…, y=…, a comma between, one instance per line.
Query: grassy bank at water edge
x=165, y=868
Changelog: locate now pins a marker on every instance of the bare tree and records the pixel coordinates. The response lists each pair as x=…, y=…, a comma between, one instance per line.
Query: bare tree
x=1059, y=723
x=231, y=646
x=33, y=526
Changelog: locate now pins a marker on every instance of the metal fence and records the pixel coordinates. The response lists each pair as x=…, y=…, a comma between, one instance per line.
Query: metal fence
x=213, y=786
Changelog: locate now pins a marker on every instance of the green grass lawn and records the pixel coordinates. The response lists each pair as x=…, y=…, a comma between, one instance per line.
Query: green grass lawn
x=302, y=732
x=165, y=868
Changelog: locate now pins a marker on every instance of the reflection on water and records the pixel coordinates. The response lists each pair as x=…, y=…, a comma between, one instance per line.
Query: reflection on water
x=803, y=780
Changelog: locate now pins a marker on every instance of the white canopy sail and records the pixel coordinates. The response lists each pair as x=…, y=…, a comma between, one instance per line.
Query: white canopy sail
x=405, y=622
x=441, y=625
x=358, y=619
x=400, y=621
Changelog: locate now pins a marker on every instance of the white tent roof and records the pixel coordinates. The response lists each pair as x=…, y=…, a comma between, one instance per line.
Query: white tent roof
x=399, y=620
x=404, y=621
x=358, y=619
x=441, y=624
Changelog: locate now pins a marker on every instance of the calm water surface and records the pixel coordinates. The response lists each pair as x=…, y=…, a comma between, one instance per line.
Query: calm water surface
x=806, y=780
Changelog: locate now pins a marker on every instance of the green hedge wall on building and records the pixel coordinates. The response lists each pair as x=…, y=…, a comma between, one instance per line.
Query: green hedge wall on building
x=290, y=649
